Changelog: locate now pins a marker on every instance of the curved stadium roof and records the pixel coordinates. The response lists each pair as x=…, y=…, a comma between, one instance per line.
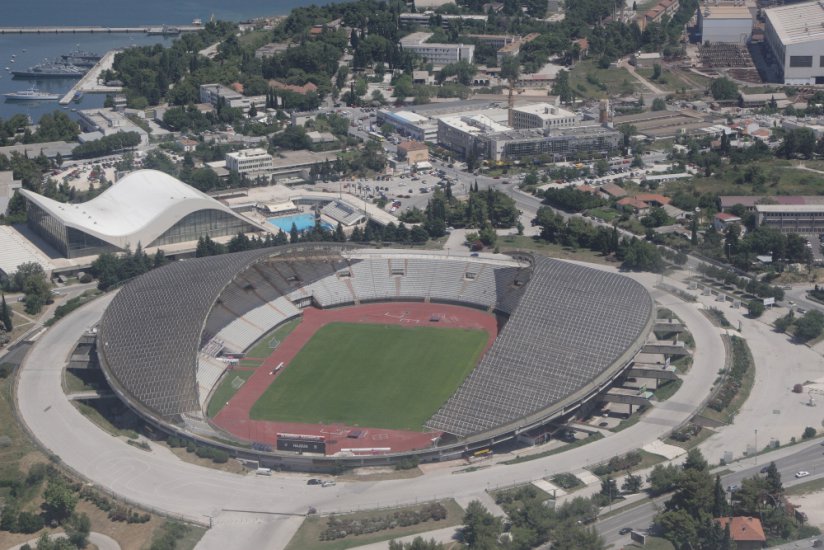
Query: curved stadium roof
x=574, y=328
x=137, y=209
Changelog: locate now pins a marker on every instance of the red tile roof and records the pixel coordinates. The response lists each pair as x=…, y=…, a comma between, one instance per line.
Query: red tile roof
x=744, y=529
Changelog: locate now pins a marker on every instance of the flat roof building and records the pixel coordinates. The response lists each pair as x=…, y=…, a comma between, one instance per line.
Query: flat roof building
x=147, y=208
x=803, y=219
x=435, y=53
x=249, y=160
x=795, y=35
x=543, y=116
x=409, y=124
x=725, y=23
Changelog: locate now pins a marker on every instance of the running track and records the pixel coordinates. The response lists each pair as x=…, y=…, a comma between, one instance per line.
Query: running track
x=234, y=417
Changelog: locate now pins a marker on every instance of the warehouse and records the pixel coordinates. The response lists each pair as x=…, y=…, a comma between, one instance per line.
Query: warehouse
x=725, y=23
x=795, y=35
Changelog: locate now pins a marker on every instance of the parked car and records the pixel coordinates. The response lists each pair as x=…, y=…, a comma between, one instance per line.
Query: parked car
x=314, y=481
x=328, y=483
x=625, y=530
x=802, y=473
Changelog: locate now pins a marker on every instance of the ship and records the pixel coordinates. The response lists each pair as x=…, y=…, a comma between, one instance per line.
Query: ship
x=80, y=58
x=51, y=70
x=32, y=94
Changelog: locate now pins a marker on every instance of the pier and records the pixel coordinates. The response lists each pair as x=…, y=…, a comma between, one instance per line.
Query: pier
x=89, y=83
x=170, y=30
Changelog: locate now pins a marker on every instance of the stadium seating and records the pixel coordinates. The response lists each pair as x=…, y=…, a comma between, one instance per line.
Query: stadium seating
x=209, y=371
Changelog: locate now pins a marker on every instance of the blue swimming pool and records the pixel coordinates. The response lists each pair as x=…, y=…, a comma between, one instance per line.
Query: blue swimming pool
x=301, y=221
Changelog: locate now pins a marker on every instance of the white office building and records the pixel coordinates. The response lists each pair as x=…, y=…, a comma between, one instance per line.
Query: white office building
x=543, y=116
x=437, y=54
x=249, y=160
x=795, y=34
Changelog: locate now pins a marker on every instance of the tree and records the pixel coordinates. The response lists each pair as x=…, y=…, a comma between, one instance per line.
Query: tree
x=720, y=506
x=481, y=529
x=656, y=72
x=59, y=499
x=755, y=308
x=809, y=326
x=774, y=485
x=658, y=104
x=632, y=484
x=77, y=529
x=723, y=89
x=5, y=315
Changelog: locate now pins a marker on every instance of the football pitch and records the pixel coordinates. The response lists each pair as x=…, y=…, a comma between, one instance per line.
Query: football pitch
x=378, y=376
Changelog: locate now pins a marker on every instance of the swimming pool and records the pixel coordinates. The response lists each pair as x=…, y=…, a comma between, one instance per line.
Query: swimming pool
x=301, y=221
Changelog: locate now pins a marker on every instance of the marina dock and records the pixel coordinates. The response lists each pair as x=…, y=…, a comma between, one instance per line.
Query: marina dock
x=89, y=82
x=170, y=30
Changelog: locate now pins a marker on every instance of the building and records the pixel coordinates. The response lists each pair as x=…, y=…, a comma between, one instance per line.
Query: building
x=657, y=12
x=543, y=116
x=271, y=49
x=496, y=142
x=757, y=101
x=8, y=185
x=249, y=161
x=97, y=123
x=612, y=191
x=795, y=35
x=745, y=532
x=646, y=60
x=805, y=219
x=302, y=90
x=726, y=23
x=749, y=202
x=514, y=48
x=722, y=220
x=435, y=53
x=407, y=123
x=146, y=208
x=495, y=40
x=413, y=152
x=424, y=19
x=214, y=93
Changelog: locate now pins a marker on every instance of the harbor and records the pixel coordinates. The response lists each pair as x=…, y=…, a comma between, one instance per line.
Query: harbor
x=89, y=83
x=160, y=30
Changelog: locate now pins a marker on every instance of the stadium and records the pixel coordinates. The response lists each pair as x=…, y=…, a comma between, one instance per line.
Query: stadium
x=319, y=355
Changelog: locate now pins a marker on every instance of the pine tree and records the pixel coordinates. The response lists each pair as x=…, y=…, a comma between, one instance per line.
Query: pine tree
x=5, y=315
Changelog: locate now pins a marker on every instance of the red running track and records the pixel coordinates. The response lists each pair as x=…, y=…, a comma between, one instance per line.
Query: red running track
x=234, y=417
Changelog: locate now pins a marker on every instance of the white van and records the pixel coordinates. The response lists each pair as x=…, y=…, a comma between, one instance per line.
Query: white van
x=263, y=472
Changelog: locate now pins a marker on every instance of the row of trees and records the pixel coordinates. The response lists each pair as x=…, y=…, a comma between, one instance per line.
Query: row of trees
x=532, y=524
x=106, y=145
x=635, y=254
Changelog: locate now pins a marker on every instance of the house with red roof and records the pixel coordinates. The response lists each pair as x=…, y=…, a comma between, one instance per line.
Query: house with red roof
x=745, y=532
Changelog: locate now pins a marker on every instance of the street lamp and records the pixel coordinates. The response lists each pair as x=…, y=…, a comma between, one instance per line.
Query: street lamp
x=756, y=446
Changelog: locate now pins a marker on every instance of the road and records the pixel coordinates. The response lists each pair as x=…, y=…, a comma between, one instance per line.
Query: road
x=806, y=456
x=158, y=480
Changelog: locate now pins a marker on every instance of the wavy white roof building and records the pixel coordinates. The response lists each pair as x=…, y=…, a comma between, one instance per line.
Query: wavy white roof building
x=146, y=207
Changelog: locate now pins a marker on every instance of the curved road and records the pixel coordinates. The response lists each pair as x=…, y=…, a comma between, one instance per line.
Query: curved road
x=158, y=480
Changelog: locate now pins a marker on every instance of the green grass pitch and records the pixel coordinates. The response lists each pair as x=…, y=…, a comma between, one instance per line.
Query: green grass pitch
x=378, y=376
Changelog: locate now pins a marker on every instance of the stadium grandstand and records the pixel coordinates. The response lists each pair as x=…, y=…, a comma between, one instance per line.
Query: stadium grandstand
x=568, y=330
x=147, y=208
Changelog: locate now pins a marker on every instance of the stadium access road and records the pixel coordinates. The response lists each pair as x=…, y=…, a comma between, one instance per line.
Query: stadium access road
x=159, y=480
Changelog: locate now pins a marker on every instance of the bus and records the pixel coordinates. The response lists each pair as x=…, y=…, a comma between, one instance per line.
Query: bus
x=377, y=137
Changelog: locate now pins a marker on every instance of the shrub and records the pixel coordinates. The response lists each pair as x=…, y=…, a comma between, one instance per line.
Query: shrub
x=28, y=522
x=809, y=433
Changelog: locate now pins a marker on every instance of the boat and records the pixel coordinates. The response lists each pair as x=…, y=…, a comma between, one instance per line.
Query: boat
x=32, y=94
x=78, y=95
x=80, y=58
x=51, y=70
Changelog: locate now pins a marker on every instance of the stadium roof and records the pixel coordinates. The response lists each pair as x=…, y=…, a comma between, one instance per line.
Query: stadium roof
x=797, y=23
x=137, y=209
x=572, y=329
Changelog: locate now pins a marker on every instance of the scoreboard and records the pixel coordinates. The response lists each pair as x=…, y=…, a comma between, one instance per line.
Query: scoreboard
x=300, y=443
